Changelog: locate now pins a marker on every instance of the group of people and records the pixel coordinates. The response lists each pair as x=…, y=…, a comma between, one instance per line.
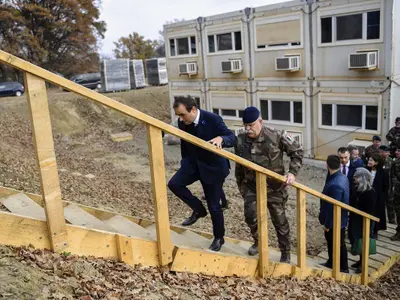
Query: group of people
x=259, y=144
x=265, y=146
x=370, y=183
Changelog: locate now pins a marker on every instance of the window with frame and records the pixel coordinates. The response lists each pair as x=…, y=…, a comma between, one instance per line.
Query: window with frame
x=231, y=113
x=278, y=34
x=282, y=111
x=364, y=117
x=183, y=46
x=230, y=41
x=350, y=27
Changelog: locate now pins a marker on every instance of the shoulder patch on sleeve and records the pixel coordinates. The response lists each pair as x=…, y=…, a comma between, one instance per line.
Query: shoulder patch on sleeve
x=287, y=136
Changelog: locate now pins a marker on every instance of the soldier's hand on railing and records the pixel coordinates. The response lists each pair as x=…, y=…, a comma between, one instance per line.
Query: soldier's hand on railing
x=217, y=141
x=326, y=229
x=290, y=178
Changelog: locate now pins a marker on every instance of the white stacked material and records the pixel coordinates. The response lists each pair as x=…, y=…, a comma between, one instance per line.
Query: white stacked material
x=115, y=75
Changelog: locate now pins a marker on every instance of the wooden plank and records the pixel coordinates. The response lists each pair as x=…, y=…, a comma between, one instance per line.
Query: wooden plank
x=388, y=241
x=130, y=111
x=388, y=234
x=21, y=231
x=262, y=220
x=46, y=160
x=365, y=251
x=213, y=263
x=77, y=216
x=373, y=264
x=301, y=230
x=336, y=242
x=21, y=204
x=121, y=136
x=159, y=189
x=125, y=249
x=124, y=226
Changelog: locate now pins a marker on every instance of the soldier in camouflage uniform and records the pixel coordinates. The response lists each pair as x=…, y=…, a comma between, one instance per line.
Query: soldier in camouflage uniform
x=387, y=167
x=394, y=135
x=265, y=146
x=396, y=192
x=374, y=148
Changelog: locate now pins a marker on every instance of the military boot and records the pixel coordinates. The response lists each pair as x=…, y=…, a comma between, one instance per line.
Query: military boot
x=396, y=237
x=285, y=257
x=253, y=250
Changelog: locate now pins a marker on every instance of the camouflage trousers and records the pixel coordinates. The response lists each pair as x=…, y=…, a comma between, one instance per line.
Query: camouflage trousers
x=390, y=206
x=276, y=202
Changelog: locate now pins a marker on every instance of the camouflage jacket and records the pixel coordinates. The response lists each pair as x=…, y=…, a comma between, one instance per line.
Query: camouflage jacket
x=369, y=151
x=387, y=167
x=396, y=176
x=393, y=136
x=267, y=151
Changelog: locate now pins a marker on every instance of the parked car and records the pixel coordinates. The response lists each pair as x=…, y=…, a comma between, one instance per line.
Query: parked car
x=89, y=80
x=11, y=88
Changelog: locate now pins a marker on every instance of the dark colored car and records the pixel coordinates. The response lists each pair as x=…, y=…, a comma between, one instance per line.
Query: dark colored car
x=89, y=80
x=11, y=88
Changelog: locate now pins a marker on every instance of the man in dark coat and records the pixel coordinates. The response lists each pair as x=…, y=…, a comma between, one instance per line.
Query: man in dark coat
x=337, y=187
x=199, y=164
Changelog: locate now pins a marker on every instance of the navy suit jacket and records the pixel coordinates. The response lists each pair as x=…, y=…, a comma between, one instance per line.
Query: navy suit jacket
x=212, y=168
x=337, y=187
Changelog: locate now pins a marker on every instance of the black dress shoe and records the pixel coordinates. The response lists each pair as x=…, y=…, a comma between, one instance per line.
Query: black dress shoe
x=327, y=265
x=225, y=205
x=193, y=218
x=217, y=244
x=356, y=264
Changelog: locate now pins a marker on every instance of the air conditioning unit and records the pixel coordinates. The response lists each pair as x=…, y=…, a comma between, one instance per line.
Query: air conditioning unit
x=297, y=136
x=363, y=60
x=287, y=63
x=188, y=69
x=360, y=144
x=232, y=66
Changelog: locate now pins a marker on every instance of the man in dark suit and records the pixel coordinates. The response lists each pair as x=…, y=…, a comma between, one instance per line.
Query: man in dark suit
x=348, y=168
x=199, y=164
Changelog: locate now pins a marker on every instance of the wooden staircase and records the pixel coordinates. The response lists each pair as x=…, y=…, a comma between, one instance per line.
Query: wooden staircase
x=194, y=245
x=46, y=221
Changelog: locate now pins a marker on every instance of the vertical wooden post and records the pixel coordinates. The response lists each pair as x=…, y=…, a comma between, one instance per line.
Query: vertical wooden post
x=365, y=250
x=336, y=241
x=262, y=219
x=46, y=159
x=301, y=230
x=159, y=188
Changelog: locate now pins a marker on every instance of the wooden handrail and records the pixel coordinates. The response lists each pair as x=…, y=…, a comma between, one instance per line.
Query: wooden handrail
x=25, y=66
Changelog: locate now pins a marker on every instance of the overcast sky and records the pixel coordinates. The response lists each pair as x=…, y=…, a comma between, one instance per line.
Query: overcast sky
x=148, y=16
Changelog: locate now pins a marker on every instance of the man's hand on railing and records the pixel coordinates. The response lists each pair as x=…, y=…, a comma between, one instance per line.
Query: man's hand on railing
x=290, y=178
x=217, y=141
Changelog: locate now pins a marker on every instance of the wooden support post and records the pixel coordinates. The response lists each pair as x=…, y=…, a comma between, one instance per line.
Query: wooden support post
x=336, y=241
x=159, y=188
x=365, y=250
x=46, y=159
x=301, y=231
x=125, y=249
x=262, y=219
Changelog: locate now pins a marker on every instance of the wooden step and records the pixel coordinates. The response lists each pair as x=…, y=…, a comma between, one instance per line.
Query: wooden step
x=195, y=240
x=21, y=204
x=324, y=256
x=176, y=238
x=124, y=226
x=78, y=216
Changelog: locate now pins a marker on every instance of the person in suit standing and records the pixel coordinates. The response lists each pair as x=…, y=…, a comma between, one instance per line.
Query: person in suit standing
x=200, y=164
x=347, y=168
x=337, y=187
